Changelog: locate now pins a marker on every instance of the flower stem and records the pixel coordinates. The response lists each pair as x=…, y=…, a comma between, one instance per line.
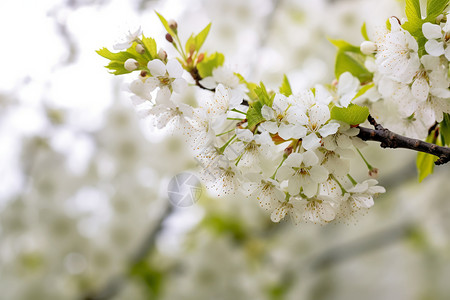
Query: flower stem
x=238, y=111
x=220, y=134
x=351, y=179
x=222, y=149
x=369, y=166
x=282, y=161
x=340, y=185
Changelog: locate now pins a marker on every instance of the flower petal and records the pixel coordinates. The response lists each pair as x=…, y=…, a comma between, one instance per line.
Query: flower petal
x=434, y=47
x=174, y=68
x=157, y=67
x=311, y=141
x=431, y=31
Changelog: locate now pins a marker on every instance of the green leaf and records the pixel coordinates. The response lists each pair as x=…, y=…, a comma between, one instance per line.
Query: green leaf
x=425, y=161
x=353, y=114
x=190, y=45
x=254, y=116
x=285, y=88
x=364, y=32
x=119, y=56
x=435, y=8
x=150, y=47
x=208, y=64
x=263, y=95
x=201, y=37
x=363, y=90
x=353, y=63
x=345, y=46
x=412, y=10
x=444, y=128
x=166, y=24
x=117, y=60
x=250, y=86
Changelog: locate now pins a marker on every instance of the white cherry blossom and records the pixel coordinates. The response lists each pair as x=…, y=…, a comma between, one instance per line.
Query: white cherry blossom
x=438, y=39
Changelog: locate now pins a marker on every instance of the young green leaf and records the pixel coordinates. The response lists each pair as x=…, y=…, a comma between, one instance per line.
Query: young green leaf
x=150, y=47
x=353, y=63
x=190, y=44
x=251, y=86
x=117, y=60
x=425, y=161
x=435, y=8
x=285, y=88
x=201, y=37
x=353, y=114
x=363, y=90
x=254, y=116
x=263, y=95
x=444, y=128
x=165, y=24
x=211, y=62
x=345, y=46
x=364, y=32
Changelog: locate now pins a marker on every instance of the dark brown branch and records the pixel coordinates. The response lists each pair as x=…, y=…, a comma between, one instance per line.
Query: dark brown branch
x=389, y=139
x=196, y=76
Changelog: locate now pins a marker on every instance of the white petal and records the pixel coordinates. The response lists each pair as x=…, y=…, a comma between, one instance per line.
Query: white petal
x=208, y=82
x=319, y=114
x=319, y=174
x=179, y=85
x=420, y=89
x=157, y=67
x=330, y=128
x=431, y=31
x=174, y=68
x=310, y=158
x=270, y=126
x=294, y=160
x=244, y=134
x=327, y=212
x=286, y=131
x=299, y=132
x=267, y=112
x=434, y=47
x=296, y=115
x=278, y=214
x=310, y=188
x=294, y=185
x=447, y=53
x=310, y=142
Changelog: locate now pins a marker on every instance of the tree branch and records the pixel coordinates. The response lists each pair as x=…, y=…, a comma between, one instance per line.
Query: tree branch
x=389, y=139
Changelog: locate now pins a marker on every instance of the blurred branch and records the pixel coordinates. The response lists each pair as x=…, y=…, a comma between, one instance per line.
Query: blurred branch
x=389, y=139
x=113, y=287
x=360, y=246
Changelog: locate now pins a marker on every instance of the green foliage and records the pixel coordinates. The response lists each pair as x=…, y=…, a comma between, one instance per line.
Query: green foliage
x=363, y=90
x=347, y=61
x=444, y=128
x=152, y=277
x=350, y=59
x=210, y=62
x=353, y=114
x=201, y=37
x=250, y=86
x=263, y=95
x=254, y=116
x=117, y=60
x=415, y=20
x=166, y=24
x=151, y=51
x=364, y=32
x=425, y=161
x=285, y=87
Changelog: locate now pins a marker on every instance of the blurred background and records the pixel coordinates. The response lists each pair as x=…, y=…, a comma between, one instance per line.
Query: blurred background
x=84, y=210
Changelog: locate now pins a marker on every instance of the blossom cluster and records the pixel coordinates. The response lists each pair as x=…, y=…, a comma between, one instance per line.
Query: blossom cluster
x=294, y=160
x=411, y=81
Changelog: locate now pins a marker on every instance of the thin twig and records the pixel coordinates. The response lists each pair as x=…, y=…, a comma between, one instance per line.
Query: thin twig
x=389, y=139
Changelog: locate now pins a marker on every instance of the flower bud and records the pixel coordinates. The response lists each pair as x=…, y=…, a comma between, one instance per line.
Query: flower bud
x=131, y=64
x=201, y=57
x=368, y=47
x=140, y=49
x=162, y=54
x=172, y=24
x=169, y=38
